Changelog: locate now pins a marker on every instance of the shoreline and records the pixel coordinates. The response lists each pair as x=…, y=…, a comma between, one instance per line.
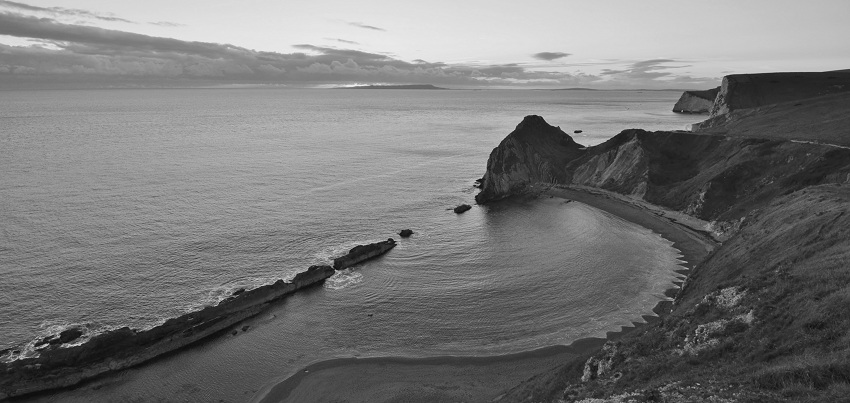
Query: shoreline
x=469, y=378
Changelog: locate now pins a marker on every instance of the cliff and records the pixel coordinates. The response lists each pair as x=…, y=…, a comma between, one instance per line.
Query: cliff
x=534, y=153
x=791, y=106
x=696, y=101
x=712, y=177
x=764, y=317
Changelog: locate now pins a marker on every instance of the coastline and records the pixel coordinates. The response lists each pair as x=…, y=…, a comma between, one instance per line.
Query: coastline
x=482, y=379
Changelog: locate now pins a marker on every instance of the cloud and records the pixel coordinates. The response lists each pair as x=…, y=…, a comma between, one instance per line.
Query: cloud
x=167, y=24
x=342, y=41
x=550, y=55
x=75, y=56
x=61, y=11
x=364, y=26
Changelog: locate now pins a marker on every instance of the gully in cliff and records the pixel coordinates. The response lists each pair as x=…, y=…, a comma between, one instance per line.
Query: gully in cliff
x=57, y=367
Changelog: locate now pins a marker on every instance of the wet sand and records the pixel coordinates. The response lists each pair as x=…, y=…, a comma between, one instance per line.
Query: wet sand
x=481, y=379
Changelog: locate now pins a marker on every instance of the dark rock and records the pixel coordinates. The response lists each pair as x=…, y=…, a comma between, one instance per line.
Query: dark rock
x=462, y=208
x=361, y=253
x=535, y=152
x=577, y=131
x=235, y=332
x=405, y=233
x=245, y=328
x=478, y=183
x=237, y=292
x=122, y=348
x=69, y=335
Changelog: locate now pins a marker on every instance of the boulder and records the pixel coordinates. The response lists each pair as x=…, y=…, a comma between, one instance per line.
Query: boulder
x=462, y=208
x=405, y=233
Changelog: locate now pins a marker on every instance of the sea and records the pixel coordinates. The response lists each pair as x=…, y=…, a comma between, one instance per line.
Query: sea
x=125, y=207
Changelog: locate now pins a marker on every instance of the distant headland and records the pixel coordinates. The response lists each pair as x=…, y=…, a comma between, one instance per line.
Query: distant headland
x=394, y=87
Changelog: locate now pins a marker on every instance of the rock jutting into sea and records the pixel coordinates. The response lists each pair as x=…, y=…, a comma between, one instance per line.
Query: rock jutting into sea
x=361, y=253
x=58, y=367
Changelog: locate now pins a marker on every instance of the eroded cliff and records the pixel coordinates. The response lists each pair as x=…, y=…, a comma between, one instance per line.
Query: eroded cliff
x=534, y=153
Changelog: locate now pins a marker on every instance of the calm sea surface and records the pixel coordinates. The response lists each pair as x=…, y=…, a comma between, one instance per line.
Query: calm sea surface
x=126, y=207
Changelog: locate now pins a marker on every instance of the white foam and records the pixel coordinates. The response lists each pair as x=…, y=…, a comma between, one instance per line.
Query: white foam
x=343, y=279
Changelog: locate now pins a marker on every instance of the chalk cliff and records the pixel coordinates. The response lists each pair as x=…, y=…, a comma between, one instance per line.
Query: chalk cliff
x=793, y=106
x=696, y=101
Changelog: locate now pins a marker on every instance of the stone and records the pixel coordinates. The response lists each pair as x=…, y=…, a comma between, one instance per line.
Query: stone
x=405, y=233
x=462, y=208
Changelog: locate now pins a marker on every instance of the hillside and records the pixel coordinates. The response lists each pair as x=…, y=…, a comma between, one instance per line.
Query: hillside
x=765, y=316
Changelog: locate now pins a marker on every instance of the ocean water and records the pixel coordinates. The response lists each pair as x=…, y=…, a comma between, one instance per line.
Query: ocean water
x=126, y=207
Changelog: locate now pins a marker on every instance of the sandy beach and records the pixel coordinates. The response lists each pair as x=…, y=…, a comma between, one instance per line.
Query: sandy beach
x=480, y=379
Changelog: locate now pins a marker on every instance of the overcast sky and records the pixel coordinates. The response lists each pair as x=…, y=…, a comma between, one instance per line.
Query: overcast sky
x=458, y=43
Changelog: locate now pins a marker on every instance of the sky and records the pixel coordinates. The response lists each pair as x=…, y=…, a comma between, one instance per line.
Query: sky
x=604, y=44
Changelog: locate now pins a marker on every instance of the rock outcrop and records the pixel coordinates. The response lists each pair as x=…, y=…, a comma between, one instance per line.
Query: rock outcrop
x=712, y=177
x=462, y=208
x=534, y=153
x=126, y=347
x=696, y=101
x=362, y=253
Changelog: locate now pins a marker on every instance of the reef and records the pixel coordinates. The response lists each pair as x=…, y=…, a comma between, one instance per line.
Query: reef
x=764, y=316
x=57, y=367
x=362, y=253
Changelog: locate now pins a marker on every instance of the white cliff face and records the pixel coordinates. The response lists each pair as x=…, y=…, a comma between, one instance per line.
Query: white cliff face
x=625, y=169
x=696, y=101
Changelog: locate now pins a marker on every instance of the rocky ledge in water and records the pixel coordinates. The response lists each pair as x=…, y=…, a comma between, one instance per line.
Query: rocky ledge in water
x=57, y=367
x=361, y=253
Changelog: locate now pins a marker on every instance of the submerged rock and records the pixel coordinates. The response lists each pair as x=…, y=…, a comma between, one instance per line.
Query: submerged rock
x=462, y=208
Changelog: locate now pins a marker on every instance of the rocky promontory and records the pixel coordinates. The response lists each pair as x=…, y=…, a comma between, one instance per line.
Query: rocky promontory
x=696, y=101
x=58, y=367
x=534, y=153
x=764, y=316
